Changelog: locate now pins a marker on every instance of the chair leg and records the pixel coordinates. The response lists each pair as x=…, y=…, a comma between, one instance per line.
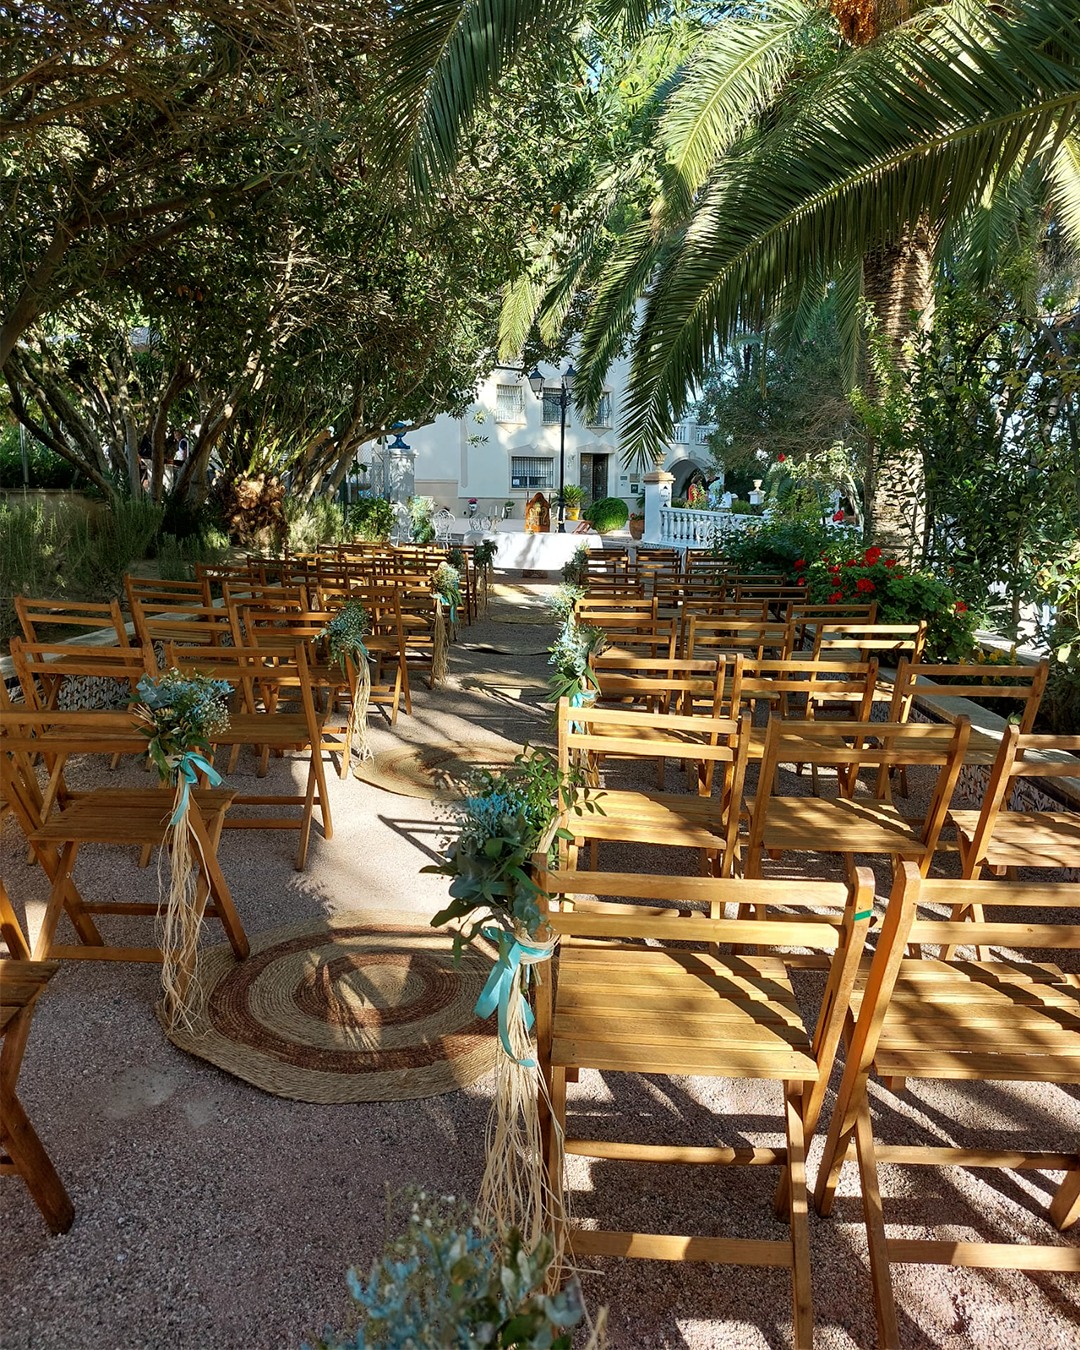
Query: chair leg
x=795, y=1171
x=27, y=1153
x=880, y=1274
x=1065, y=1206
x=556, y=1134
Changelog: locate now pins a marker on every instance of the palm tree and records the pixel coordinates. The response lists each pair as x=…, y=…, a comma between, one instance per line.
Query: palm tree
x=788, y=162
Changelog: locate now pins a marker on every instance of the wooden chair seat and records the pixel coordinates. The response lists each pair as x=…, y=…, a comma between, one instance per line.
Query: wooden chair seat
x=999, y=1020
x=860, y=825
x=678, y=819
x=679, y=1012
x=124, y=816
x=1027, y=838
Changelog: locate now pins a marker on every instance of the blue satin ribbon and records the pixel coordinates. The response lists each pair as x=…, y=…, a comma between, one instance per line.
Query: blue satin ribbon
x=581, y=700
x=190, y=766
x=496, y=993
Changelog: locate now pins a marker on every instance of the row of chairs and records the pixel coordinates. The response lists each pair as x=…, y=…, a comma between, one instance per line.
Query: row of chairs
x=642, y=988
x=719, y=749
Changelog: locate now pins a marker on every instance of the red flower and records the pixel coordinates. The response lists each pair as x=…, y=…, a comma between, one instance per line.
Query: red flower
x=851, y=562
x=799, y=562
x=872, y=555
x=835, y=597
x=961, y=608
x=890, y=562
x=834, y=570
x=780, y=458
x=865, y=585
x=802, y=580
x=838, y=515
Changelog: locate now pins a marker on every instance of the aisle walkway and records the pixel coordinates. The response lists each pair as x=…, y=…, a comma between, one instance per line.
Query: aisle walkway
x=212, y=1215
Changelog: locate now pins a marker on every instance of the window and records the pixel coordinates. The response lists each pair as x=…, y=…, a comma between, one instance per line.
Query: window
x=553, y=407
x=532, y=471
x=602, y=417
x=509, y=403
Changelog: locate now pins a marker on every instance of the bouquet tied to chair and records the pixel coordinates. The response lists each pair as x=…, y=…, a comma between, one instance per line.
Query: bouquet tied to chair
x=344, y=637
x=181, y=715
x=507, y=817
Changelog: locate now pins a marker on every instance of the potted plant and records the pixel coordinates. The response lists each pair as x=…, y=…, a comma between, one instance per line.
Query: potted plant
x=573, y=500
x=636, y=524
x=508, y=509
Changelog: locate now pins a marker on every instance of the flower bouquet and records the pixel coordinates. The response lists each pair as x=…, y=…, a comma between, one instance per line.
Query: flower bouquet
x=484, y=560
x=344, y=636
x=181, y=715
x=446, y=586
x=504, y=820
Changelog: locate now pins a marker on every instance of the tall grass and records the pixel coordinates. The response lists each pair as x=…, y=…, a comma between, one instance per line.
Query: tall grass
x=319, y=521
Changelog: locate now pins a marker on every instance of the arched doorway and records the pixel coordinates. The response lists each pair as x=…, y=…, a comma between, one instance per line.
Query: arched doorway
x=688, y=471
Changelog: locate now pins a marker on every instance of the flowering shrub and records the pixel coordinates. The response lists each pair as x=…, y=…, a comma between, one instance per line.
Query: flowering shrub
x=346, y=631
x=840, y=576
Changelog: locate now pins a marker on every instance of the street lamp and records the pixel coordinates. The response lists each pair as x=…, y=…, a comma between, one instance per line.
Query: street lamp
x=566, y=389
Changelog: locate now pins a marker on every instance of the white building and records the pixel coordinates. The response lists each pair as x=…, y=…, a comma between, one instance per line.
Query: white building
x=506, y=448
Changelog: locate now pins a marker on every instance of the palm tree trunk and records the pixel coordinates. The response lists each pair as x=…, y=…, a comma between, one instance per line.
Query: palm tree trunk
x=898, y=285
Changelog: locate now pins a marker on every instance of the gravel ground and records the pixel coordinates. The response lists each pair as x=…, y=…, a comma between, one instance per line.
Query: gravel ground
x=211, y=1215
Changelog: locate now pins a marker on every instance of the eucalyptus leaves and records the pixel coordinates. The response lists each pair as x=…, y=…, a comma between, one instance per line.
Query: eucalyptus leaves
x=573, y=650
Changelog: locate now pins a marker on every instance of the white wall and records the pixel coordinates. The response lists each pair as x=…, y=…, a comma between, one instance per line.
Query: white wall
x=461, y=458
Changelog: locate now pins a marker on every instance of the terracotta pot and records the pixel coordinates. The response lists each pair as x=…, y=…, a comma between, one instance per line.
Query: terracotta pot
x=637, y=527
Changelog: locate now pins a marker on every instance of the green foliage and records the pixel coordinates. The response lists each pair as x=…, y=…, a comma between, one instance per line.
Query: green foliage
x=446, y=583
x=1061, y=703
x=573, y=495
x=991, y=404
x=176, y=558
x=609, y=513
x=346, y=631
x=575, y=571
x=32, y=554
x=502, y=821
x=46, y=469
x=309, y=524
x=485, y=552
x=842, y=575
x=103, y=546
x=445, y=1285
x=180, y=713
x=572, y=656
x=421, y=514
x=370, y=519
x=775, y=545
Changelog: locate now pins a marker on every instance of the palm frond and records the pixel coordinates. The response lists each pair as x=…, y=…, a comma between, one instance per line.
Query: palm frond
x=1063, y=170
x=919, y=122
x=449, y=56
x=733, y=76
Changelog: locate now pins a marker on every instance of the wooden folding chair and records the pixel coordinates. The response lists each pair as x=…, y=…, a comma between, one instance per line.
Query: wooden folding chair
x=1015, y=684
x=264, y=681
x=753, y=638
x=661, y=684
x=806, y=617
x=44, y=667
x=153, y=591
x=385, y=643
x=895, y=640
x=21, y=1151
x=697, y=820
x=850, y=824
x=619, y=1006
x=808, y=690
x=119, y=816
x=999, y=839
x=39, y=619
x=1008, y=1019
x=194, y=625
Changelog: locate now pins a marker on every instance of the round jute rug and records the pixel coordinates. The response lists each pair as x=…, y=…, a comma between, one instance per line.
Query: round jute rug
x=438, y=772
x=357, y=1007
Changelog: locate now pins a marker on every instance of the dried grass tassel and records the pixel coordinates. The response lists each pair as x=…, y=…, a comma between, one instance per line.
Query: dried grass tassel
x=356, y=728
x=514, y=1191
x=182, y=914
x=440, y=655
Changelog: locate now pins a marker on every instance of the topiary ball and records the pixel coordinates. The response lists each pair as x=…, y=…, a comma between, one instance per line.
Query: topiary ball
x=609, y=513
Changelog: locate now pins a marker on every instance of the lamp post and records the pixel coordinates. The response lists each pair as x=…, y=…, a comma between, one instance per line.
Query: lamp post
x=566, y=389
